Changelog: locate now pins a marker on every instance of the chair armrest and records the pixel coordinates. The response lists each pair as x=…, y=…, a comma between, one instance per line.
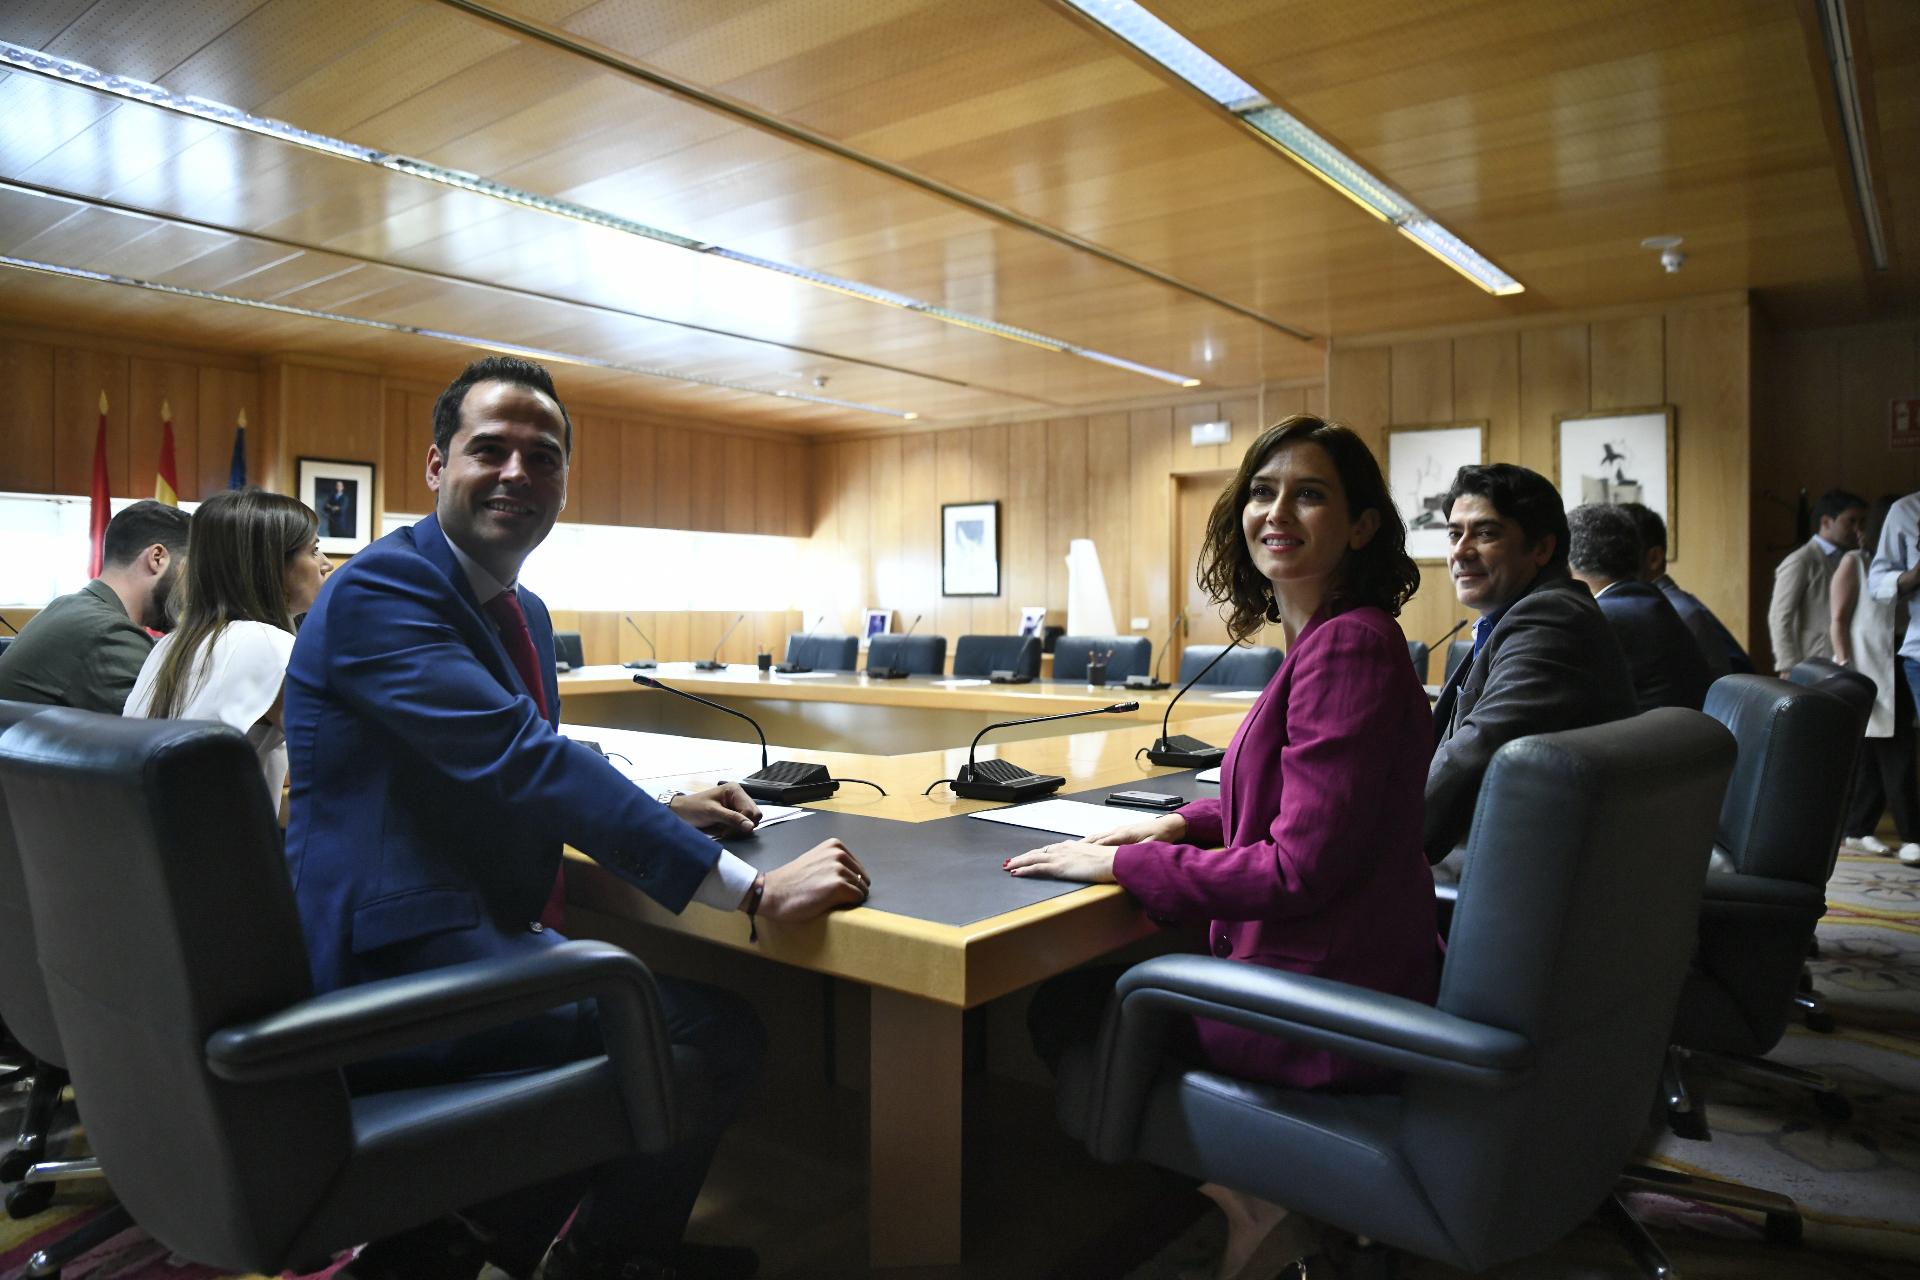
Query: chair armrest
x=1731, y=897
x=1371, y=1026
x=363, y=1022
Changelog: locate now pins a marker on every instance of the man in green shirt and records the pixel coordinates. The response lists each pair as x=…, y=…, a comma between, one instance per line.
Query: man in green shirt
x=85, y=650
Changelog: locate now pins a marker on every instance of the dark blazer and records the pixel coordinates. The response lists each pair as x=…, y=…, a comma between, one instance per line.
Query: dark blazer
x=1551, y=663
x=1662, y=656
x=1319, y=813
x=430, y=800
x=1723, y=653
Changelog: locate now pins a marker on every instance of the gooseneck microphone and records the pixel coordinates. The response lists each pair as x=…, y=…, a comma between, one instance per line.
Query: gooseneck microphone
x=788, y=782
x=1452, y=631
x=1182, y=751
x=892, y=672
x=714, y=663
x=640, y=664
x=799, y=668
x=1005, y=780
x=1154, y=681
x=16, y=631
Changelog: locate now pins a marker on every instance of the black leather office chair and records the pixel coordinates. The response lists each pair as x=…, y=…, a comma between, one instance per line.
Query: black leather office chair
x=1250, y=668
x=1457, y=652
x=1526, y=1086
x=1126, y=656
x=915, y=655
x=208, y=1070
x=1421, y=655
x=1776, y=839
x=569, y=649
x=823, y=652
x=984, y=655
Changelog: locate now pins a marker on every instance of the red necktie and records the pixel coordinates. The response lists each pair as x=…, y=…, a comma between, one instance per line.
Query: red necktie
x=511, y=621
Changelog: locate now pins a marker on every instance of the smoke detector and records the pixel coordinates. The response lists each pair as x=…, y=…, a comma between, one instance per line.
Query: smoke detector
x=1671, y=259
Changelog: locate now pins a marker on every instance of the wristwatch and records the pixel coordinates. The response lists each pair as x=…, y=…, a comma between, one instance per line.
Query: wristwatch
x=668, y=796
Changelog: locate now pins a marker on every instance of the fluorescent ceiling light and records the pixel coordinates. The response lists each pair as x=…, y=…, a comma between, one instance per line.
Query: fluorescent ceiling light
x=20, y=58
x=1183, y=58
x=466, y=340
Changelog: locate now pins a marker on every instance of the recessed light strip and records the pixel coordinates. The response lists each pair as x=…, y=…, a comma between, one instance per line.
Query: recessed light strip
x=442, y=335
x=21, y=58
x=1157, y=40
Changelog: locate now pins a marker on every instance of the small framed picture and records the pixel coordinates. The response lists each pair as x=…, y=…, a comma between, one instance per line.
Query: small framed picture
x=970, y=549
x=1421, y=462
x=879, y=622
x=1032, y=618
x=341, y=494
x=1625, y=455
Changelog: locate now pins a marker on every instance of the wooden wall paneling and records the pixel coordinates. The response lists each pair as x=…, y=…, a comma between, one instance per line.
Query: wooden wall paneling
x=856, y=534
x=1553, y=380
x=627, y=644
x=1024, y=535
x=594, y=471
x=224, y=395
x=1066, y=503
x=770, y=479
x=1486, y=388
x=417, y=430
x=953, y=482
x=1629, y=362
x=1313, y=399
x=989, y=461
x=600, y=636
x=150, y=384
x=920, y=535
x=1109, y=497
x=79, y=376
x=892, y=584
x=1876, y=365
x=393, y=450
x=733, y=483
x=1707, y=376
x=800, y=490
x=673, y=635
x=639, y=466
x=1186, y=458
x=1421, y=382
x=673, y=500
x=1150, y=523
x=325, y=413
x=1359, y=392
x=26, y=416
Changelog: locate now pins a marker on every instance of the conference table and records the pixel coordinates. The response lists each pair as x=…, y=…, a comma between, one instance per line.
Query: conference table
x=945, y=930
x=853, y=712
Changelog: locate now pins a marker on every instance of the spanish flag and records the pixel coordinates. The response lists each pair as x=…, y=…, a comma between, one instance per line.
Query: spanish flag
x=166, y=480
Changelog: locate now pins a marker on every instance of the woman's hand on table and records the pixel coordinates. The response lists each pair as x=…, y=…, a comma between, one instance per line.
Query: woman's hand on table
x=1081, y=860
x=1167, y=827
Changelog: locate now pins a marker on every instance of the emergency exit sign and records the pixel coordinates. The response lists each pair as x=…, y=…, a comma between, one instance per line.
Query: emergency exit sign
x=1904, y=430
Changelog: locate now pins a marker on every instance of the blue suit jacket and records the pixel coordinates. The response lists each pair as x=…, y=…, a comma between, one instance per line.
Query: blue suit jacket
x=1668, y=668
x=430, y=800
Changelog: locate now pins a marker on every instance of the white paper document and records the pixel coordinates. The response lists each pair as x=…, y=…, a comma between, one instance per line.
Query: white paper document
x=960, y=684
x=1208, y=775
x=778, y=676
x=772, y=815
x=1238, y=695
x=1064, y=817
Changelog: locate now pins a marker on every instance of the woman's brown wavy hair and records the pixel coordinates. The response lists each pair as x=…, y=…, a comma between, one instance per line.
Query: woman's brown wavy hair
x=1380, y=573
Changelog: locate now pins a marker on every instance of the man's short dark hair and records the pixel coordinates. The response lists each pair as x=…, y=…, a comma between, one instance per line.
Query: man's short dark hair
x=1603, y=542
x=1525, y=497
x=1834, y=503
x=139, y=527
x=511, y=369
x=1653, y=530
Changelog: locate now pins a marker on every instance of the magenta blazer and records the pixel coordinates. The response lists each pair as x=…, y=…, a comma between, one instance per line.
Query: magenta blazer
x=1319, y=813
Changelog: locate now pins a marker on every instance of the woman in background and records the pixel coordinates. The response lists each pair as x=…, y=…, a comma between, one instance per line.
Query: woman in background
x=1310, y=859
x=253, y=565
x=1864, y=639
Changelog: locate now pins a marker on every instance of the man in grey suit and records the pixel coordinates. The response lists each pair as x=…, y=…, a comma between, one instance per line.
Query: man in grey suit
x=1544, y=658
x=1800, y=617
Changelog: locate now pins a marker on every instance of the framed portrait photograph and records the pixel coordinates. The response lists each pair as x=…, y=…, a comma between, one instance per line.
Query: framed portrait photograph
x=970, y=549
x=1625, y=455
x=341, y=494
x=879, y=622
x=1421, y=462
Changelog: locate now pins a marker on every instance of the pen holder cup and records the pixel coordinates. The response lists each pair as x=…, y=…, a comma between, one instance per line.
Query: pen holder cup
x=764, y=661
x=1096, y=672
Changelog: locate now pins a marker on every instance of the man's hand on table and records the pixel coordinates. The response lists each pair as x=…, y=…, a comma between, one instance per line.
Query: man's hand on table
x=725, y=810
x=824, y=877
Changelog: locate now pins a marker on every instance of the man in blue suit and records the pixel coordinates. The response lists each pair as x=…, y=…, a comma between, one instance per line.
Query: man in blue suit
x=432, y=794
x=1667, y=667
x=1722, y=652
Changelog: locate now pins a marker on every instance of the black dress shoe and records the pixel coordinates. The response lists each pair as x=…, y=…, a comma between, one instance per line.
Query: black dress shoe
x=441, y=1250
x=689, y=1262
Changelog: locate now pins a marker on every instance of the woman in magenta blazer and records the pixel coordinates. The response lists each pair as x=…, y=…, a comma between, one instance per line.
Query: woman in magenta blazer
x=1310, y=859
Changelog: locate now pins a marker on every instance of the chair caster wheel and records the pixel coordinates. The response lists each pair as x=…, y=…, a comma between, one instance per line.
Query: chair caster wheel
x=1691, y=1125
x=14, y=1167
x=1784, y=1229
x=1833, y=1106
x=28, y=1199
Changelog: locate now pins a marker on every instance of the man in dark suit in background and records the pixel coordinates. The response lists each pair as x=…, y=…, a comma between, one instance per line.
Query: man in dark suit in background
x=1724, y=655
x=432, y=794
x=1543, y=656
x=1604, y=553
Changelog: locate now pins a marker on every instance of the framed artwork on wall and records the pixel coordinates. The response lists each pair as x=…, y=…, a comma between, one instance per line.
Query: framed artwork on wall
x=341, y=494
x=878, y=623
x=1420, y=466
x=970, y=549
x=1624, y=455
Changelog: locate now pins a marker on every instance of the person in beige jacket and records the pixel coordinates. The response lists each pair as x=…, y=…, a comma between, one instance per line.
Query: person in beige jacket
x=1800, y=616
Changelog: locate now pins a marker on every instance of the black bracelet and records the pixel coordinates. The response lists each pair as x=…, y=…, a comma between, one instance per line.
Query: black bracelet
x=752, y=906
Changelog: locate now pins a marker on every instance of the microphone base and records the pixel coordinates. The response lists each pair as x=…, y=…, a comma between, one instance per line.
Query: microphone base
x=1183, y=752
x=708, y=664
x=1008, y=677
x=790, y=669
x=885, y=673
x=1013, y=790
x=640, y=664
x=790, y=782
x=1146, y=682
